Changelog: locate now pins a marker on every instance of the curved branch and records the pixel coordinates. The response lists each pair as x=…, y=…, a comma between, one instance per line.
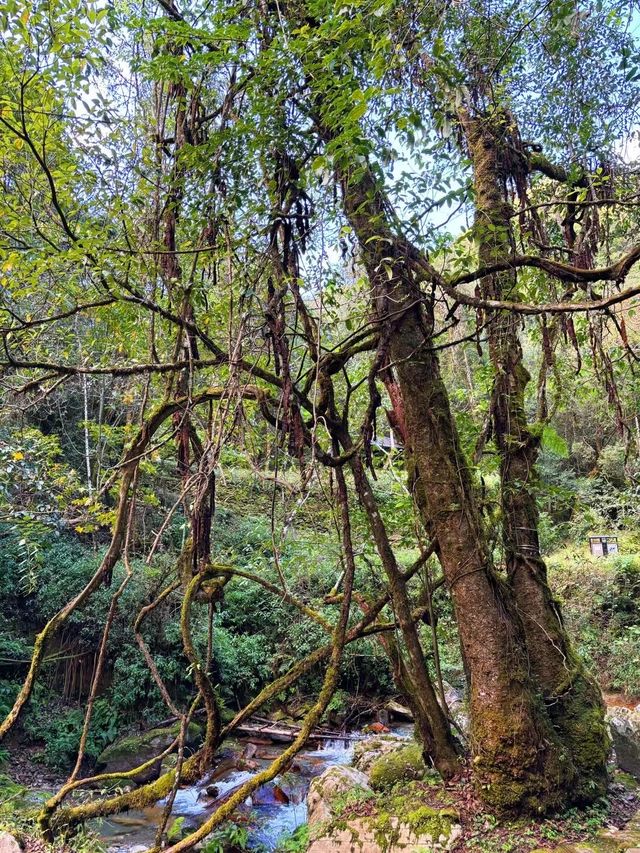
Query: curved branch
x=615, y=272
x=129, y=467
x=565, y=272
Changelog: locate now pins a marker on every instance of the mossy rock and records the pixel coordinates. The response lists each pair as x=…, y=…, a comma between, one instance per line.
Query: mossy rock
x=625, y=731
x=401, y=824
x=630, y=782
x=326, y=790
x=418, y=828
x=131, y=751
x=367, y=751
x=401, y=765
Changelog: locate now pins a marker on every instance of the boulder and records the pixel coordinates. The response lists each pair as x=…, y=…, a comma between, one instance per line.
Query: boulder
x=426, y=830
x=129, y=752
x=624, y=724
x=452, y=696
x=8, y=844
x=403, y=764
x=397, y=820
x=324, y=789
x=269, y=795
x=365, y=752
x=250, y=751
x=399, y=710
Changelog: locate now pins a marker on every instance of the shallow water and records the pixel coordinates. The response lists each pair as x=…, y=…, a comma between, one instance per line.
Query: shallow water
x=268, y=818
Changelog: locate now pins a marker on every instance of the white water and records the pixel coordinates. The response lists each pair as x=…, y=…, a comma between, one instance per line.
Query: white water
x=268, y=819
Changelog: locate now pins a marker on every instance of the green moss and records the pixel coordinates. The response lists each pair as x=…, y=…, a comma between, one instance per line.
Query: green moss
x=428, y=821
x=511, y=772
x=384, y=832
x=395, y=810
x=626, y=779
x=579, y=716
x=135, y=744
x=341, y=802
x=423, y=821
x=402, y=764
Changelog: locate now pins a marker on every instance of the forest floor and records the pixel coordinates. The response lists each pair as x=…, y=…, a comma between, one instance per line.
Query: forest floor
x=26, y=768
x=483, y=832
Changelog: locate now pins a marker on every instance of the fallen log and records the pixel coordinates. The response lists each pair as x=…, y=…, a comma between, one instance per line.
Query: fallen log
x=288, y=733
x=278, y=732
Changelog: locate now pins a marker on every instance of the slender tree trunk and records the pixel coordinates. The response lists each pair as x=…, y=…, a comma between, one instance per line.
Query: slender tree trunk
x=573, y=699
x=85, y=429
x=519, y=762
x=431, y=722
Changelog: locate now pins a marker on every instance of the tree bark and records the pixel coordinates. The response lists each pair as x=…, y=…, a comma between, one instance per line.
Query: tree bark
x=518, y=760
x=573, y=699
x=431, y=722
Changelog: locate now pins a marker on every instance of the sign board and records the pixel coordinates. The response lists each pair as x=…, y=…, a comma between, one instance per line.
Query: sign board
x=603, y=546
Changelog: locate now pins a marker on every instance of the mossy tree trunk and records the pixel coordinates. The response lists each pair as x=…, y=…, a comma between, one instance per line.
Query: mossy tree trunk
x=519, y=761
x=573, y=700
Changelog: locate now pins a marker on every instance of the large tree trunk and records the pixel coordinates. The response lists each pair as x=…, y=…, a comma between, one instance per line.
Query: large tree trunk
x=518, y=760
x=573, y=699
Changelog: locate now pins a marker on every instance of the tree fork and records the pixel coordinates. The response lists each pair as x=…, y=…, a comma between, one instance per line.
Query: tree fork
x=518, y=760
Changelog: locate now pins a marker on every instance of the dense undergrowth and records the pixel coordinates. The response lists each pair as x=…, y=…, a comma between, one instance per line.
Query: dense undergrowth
x=256, y=635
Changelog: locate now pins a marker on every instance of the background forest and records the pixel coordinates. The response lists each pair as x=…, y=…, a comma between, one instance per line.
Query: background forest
x=320, y=366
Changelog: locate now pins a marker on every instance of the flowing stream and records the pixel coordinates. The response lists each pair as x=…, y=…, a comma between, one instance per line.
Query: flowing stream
x=273, y=810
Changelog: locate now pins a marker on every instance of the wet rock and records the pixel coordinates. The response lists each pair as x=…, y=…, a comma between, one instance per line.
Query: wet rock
x=250, y=750
x=268, y=795
x=213, y=791
x=129, y=752
x=625, y=733
x=329, y=785
x=367, y=751
x=8, y=843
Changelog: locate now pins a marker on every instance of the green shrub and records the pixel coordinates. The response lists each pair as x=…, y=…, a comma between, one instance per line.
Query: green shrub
x=8, y=692
x=296, y=842
x=60, y=732
x=601, y=606
x=229, y=838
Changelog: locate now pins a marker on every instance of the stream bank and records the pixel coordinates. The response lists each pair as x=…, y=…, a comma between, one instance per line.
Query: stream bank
x=271, y=813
